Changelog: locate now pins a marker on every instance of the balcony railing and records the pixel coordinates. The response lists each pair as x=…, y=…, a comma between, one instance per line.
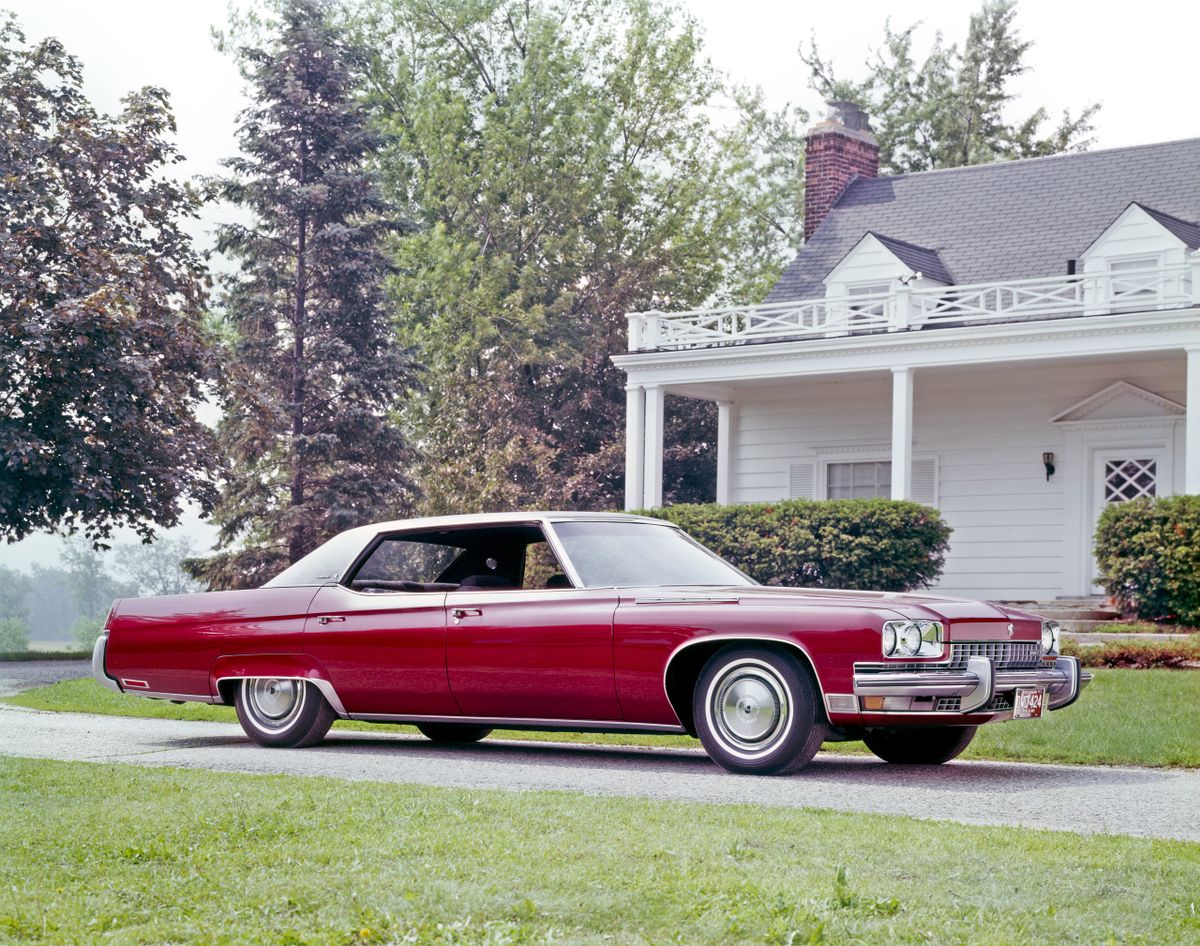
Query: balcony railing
x=905, y=309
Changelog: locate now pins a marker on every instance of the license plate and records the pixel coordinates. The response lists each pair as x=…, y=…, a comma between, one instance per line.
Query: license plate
x=1028, y=703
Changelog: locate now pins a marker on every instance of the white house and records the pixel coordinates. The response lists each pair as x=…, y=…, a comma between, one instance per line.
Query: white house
x=1017, y=344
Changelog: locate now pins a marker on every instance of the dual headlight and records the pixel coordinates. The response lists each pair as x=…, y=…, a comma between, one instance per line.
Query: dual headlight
x=912, y=639
x=1050, y=637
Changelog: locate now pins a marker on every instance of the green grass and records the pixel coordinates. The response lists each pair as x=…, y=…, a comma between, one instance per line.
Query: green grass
x=1145, y=627
x=46, y=654
x=1125, y=717
x=125, y=855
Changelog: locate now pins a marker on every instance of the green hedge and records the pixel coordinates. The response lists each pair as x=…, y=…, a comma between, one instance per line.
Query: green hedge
x=1149, y=556
x=874, y=544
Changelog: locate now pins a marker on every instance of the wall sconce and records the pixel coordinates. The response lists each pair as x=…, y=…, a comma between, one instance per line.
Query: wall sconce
x=1048, y=463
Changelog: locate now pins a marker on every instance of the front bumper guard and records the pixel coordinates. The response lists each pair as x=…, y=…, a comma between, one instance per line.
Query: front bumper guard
x=976, y=684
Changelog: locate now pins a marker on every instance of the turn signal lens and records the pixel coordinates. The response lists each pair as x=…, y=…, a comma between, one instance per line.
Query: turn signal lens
x=912, y=639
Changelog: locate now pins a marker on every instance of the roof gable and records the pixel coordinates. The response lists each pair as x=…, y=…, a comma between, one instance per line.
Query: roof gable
x=1008, y=220
x=905, y=260
x=1121, y=401
x=1156, y=225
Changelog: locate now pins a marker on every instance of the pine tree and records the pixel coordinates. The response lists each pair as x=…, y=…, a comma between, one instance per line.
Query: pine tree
x=313, y=369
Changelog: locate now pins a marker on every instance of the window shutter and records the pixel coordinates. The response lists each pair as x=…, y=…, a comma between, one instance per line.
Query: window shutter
x=925, y=480
x=802, y=481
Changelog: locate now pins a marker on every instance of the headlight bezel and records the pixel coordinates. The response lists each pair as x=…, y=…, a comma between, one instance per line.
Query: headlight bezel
x=1051, y=637
x=897, y=636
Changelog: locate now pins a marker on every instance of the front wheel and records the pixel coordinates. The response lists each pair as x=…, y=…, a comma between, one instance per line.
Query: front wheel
x=283, y=712
x=919, y=746
x=453, y=732
x=756, y=711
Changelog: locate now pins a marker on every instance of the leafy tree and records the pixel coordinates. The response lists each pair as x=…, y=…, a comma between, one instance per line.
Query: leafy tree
x=314, y=368
x=91, y=587
x=103, y=352
x=14, y=636
x=567, y=163
x=14, y=594
x=156, y=568
x=949, y=110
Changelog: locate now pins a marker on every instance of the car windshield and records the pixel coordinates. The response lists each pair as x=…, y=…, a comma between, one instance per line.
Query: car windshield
x=616, y=554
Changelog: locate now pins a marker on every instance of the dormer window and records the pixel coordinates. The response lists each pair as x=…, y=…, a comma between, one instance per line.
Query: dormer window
x=1135, y=281
x=1139, y=262
x=867, y=299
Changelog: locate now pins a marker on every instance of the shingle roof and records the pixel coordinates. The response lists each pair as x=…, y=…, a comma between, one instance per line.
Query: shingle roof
x=1188, y=232
x=1009, y=220
x=919, y=259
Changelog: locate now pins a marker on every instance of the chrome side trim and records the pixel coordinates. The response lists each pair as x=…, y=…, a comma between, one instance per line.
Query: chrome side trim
x=570, y=725
x=177, y=697
x=985, y=672
x=324, y=686
x=689, y=599
x=746, y=639
x=99, y=649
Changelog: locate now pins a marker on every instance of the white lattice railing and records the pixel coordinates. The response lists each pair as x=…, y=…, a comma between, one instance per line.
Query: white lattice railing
x=907, y=309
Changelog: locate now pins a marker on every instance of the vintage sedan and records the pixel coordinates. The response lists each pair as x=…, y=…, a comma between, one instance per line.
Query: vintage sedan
x=586, y=622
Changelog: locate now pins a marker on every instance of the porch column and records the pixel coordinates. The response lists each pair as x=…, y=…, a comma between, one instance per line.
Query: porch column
x=1191, y=430
x=635, y=445
x=902, y=432
x=726, y=427
x=652, y=484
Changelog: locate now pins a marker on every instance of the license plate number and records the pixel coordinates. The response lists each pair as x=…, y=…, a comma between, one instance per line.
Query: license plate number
x=1028, y=703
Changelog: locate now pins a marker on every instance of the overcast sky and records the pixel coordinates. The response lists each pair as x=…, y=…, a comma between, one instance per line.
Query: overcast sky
x=1138, y=62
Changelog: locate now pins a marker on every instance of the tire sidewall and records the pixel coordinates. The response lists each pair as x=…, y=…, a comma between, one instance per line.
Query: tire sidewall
x=298, y=731
x=791, y=749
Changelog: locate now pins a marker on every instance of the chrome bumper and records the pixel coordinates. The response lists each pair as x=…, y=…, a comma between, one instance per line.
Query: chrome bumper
x=98, y=670
x=975, y=686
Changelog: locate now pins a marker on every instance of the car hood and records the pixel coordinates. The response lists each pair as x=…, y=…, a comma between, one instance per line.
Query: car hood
x=907, y=604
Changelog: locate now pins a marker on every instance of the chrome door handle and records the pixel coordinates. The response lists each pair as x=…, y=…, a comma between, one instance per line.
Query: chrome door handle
x=459, y=613
x=330, y=619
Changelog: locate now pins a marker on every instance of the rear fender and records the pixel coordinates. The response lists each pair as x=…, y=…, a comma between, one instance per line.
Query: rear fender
x=226, y=671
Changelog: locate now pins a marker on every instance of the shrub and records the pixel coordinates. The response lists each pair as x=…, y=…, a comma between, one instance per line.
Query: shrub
x=14, y=636
x=86, y=630
x=1149, y=555
x=877, y=544
x=1137, y=654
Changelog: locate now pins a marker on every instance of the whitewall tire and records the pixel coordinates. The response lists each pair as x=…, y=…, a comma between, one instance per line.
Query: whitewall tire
x=283, y=712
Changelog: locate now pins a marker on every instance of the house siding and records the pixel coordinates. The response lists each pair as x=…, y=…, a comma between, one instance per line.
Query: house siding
x=987, y=427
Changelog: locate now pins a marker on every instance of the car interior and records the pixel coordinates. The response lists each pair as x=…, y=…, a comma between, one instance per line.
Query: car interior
x=469, y=559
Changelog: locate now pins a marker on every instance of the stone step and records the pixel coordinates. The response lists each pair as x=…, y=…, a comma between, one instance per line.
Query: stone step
x=1088, y=627
x=1091, y=639
x=1065, y=615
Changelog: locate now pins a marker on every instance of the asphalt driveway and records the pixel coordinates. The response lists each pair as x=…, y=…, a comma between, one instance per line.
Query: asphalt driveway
x=18, y=675
x=1086, y=799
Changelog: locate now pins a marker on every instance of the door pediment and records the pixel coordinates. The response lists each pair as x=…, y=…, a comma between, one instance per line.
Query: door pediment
x=1120, y=404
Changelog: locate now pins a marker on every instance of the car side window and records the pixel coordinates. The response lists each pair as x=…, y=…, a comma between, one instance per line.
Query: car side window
x=399, y=565
x=542, y=569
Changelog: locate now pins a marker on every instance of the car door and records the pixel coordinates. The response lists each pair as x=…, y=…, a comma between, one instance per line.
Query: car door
x=533, y=653
x=385, y=652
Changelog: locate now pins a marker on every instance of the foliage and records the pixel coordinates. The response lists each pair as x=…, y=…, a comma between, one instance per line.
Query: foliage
x=1148, y=551
x=156, y=568
x=314, y=368
x=876, y=544
x=14, y=594
x=949, y=110
x=14, y=635
x=92, y=589
x=1138, y=654
x=103, y=353
x=567, y=162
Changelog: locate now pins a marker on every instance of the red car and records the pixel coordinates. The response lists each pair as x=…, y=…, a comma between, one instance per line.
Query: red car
x=586, y=622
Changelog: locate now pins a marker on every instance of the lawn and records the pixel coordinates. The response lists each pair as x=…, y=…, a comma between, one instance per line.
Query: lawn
x=127, y=855
x=1125, y=717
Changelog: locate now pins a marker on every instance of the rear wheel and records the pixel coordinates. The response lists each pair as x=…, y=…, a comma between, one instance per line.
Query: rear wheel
x=283, y=712
x=919, y=746
x=756, y=711
x=453, y=732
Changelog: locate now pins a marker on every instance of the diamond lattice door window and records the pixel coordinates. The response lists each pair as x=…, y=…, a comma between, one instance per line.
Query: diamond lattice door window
x=1130, y=479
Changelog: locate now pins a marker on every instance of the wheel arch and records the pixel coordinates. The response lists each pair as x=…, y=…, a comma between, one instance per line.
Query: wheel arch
x=228, y=671
x=686, y=662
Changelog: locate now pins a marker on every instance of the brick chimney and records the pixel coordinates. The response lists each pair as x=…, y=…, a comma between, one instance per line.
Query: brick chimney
x=838, y=150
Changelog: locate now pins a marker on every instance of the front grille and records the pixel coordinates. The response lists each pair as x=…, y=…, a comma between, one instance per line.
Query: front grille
x=947, y=704
x=999, y=702
x=1008, y=655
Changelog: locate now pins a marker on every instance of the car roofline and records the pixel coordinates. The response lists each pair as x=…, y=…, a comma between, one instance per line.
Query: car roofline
x=506, y=518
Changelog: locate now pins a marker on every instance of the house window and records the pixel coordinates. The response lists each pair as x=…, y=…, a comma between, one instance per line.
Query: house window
x=1134, y=281
x=870, y=307
x=1129, y=479
x=861, y=479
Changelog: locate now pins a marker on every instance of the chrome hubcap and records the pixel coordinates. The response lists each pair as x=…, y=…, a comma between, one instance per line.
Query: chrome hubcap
x=748, y=708
x=273, y=703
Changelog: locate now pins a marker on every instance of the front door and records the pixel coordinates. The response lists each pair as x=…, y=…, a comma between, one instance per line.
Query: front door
x=1119, y=476
x=533, y=653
